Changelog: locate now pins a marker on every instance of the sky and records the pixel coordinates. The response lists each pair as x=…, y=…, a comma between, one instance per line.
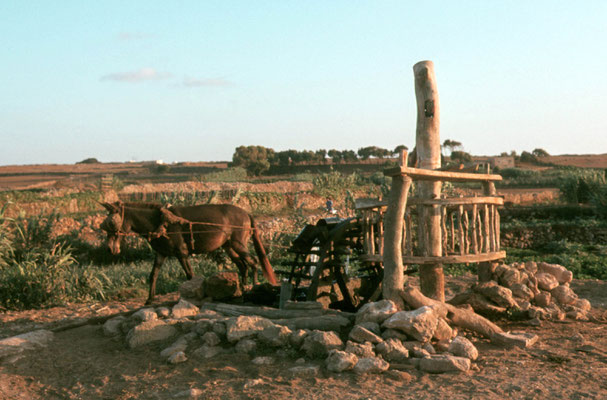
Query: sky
x=193, y=80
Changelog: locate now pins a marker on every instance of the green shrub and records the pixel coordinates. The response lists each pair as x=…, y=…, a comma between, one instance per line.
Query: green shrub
x=234, y=174
x=583, y=187
x=91, y=160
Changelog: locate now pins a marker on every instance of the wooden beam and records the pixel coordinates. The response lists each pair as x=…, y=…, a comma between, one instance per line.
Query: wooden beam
x=434, y=175
x=455, y=259
x=456, y=201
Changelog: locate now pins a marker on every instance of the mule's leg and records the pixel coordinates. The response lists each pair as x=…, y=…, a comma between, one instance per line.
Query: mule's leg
x=240, y=264
x=246, y=258
x=158, y=261
x=187, y=268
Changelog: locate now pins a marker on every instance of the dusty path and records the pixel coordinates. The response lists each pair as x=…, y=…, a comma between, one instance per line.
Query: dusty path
x=570, y=362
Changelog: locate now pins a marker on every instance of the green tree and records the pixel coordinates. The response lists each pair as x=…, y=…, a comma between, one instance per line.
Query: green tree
x=372, y=151
x=451, y=145
x=398, y=148
x=540, y=153
x=349, y=156
x=528, y=157
x=335, y=156
x=461, y=156
x=255, y=159
x=321, y=155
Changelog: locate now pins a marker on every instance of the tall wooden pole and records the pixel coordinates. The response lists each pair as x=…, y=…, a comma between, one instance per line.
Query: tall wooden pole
x=394, y=280
x=427, y=141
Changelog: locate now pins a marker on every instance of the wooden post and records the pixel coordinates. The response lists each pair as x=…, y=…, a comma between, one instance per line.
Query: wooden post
x=485, y=269
x=394, y=280
x=427, y=141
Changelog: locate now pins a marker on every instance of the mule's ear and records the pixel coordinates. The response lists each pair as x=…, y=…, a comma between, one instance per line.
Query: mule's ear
x=108, y=206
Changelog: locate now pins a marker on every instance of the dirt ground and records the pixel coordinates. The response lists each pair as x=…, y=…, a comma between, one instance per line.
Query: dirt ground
x=569, y=362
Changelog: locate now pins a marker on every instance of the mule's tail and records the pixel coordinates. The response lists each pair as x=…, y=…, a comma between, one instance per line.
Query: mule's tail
x=267, y=270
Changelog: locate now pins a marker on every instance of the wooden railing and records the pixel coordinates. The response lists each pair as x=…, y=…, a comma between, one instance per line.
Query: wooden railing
x=470, y=226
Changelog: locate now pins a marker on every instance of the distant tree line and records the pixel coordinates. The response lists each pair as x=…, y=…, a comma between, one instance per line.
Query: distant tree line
x=258, y=159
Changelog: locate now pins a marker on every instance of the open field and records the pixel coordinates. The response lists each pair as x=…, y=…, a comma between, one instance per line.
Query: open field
x=570, y=360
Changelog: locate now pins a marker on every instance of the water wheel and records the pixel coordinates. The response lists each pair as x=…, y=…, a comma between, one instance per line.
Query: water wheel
x=325, y=254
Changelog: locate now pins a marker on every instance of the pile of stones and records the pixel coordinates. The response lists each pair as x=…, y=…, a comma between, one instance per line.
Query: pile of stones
x=375, y=339
x=538, y=290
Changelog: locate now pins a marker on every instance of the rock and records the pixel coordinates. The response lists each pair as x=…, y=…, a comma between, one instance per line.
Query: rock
x=163, y=312
x=563, y=294
x=275, y=336
x=339, y=361
x=415, y=349
x=361, y=335
x=443, y=330
x=440, y=363
x=304, y=371
x=219, y=327
x=317, y=344
x=111, y=327
x=442, y=346
x=14, y=346
x=582, y=304
x=376, y=312
x=419, y=324
x=222, y=286
x=361, y=350
x=429, y=348
x=556, y=314
x=252, y=383
x=562, y=274
x=521, y=291
x=145, y=314
x=190, y=337
x=179, y=346
x=510, y=277
x=246, y=345
x=531, y=267
x=393, y=333
x=399, y=376
x=297, y=337
x=546, y=281
x=371, y=326
x=204, y=325
x=184, y=309
x=516, y=339
x=498, y=294
x=245, y=326
x=392, y=350
x=177, y=358
x=192, y=289
x=211, y=339
x=577, y=314
x=208, y=314
x=523, y=305
x=462, y=347
x=538, y=312
x=189, y=394
x=500, y=270
x=263, y=360
x=543, y=299
x=531, y=283
x=148, y=332
x=371, y=365
x=206, y=352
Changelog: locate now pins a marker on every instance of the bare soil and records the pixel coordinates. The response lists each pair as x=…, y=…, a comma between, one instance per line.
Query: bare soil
x=569, y=362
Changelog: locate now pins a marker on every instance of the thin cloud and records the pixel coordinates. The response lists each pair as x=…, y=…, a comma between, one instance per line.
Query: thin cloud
x=132, y=36
x=208, y=82
x=141, y=75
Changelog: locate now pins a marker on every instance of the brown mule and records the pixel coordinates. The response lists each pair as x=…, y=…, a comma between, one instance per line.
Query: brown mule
x=181, y=231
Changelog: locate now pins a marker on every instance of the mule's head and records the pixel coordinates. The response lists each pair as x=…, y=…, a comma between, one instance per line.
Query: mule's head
x=114, y=226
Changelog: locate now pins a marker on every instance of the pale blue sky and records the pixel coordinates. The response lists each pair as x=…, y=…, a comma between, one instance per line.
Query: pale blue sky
x=192, y=80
